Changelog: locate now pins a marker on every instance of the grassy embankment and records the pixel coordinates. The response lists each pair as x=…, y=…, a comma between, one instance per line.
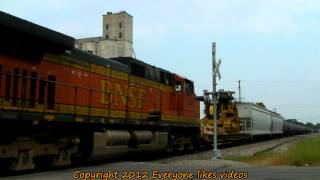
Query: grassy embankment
x=303, y=153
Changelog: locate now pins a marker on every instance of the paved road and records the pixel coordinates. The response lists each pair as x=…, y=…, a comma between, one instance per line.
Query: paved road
x=202, y=169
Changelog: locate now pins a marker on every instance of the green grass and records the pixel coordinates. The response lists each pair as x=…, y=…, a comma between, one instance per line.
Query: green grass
x=303, y=153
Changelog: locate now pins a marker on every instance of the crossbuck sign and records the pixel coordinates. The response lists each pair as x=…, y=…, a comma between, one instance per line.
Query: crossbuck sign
x=216, y=68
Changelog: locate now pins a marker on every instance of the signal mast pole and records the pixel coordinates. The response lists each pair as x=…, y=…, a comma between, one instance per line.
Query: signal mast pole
x=215, y=71
x=239, y=90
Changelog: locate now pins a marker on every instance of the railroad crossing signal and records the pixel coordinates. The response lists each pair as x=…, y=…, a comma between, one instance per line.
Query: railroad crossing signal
x=216, y=68
x=215, y=72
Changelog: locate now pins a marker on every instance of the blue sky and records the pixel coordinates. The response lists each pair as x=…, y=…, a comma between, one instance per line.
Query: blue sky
x=271, y=45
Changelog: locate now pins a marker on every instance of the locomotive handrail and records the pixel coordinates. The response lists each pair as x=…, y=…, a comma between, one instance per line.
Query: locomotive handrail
x=71, y=85
x=56, y=107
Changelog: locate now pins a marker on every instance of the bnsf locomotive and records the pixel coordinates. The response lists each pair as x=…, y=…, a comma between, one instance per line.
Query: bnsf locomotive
x=59, y=104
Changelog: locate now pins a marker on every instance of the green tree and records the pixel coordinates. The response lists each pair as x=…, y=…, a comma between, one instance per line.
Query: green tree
x=260, y=104
x=293, y=121
x=310, y=125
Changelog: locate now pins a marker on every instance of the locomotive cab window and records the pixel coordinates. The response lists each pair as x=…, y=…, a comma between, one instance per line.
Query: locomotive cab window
x=189, y=89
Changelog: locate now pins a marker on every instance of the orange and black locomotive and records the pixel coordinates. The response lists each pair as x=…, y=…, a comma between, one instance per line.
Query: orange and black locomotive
x=60, y=104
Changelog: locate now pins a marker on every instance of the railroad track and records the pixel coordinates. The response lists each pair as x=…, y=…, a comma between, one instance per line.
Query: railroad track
x=202, y=154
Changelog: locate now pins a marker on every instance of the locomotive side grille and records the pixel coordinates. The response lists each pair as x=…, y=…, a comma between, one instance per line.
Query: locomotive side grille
x=42, y=88
x=8, y=85
x=20, y=91
x=24, y=87
x=1, y=74
x=33, y=84
x=51, y=91
x=15, y=86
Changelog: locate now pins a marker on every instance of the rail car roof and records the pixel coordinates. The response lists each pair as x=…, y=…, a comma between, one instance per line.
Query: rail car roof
x=15, y=29
x=94, y=59
x=257, y=106
x=129, y=60
x=150, y=72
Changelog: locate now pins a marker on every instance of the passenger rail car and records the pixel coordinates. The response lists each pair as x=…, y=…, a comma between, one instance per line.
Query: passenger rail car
x=59, y=104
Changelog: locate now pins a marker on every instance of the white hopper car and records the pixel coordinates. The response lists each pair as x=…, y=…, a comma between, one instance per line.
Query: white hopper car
x=259, y=121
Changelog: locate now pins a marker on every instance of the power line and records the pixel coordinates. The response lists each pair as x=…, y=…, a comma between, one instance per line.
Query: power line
x=299, y=107
x=316, y=83
x=276, y=82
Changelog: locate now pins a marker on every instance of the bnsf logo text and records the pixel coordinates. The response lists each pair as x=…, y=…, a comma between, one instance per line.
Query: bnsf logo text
x=114, y=93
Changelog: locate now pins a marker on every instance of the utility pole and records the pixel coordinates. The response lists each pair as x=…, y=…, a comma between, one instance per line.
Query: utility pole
x=215, y=71
x=239, y=82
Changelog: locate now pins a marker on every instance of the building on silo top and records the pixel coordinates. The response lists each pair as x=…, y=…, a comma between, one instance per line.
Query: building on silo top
x=116, y=40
